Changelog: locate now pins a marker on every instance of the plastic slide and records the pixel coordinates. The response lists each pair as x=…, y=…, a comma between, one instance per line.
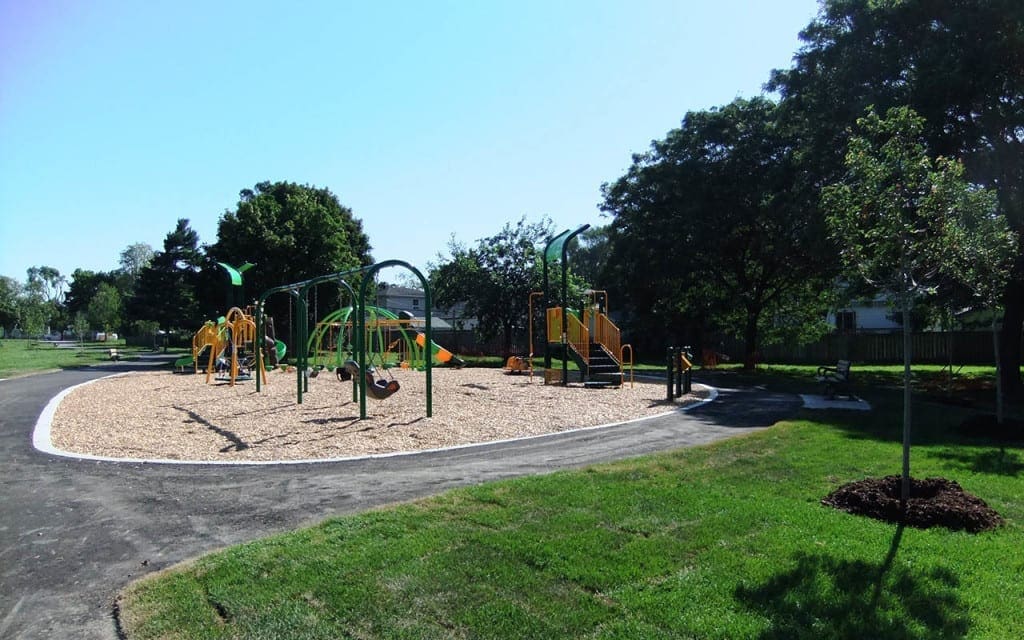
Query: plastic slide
x=443, y=355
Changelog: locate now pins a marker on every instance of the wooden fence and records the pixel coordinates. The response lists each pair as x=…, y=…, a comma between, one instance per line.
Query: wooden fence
x=962, y=347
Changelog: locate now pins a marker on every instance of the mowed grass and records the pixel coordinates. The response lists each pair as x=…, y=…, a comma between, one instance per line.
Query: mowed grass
x=28, y=356
x=722, y=541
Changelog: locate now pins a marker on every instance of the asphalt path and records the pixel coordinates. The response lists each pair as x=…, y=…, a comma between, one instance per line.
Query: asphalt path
x=73, y=532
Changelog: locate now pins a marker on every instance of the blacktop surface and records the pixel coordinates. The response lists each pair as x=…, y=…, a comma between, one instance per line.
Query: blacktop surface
x=73, y=533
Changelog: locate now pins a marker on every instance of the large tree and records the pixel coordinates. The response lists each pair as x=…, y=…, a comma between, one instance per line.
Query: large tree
x=958, y=63
x=714, y=225
x=291, y=232
x=166, y=288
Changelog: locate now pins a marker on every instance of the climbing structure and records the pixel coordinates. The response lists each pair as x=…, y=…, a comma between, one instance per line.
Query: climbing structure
x=588, y=337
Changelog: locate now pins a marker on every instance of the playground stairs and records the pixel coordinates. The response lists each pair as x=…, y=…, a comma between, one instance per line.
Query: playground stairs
x=599, y=369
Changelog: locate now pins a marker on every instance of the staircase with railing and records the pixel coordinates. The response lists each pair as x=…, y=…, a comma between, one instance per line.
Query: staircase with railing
x=594, y=343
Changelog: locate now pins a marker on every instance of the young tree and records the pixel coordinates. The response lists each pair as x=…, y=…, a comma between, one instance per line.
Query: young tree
x=890, y=216
x=980, y=253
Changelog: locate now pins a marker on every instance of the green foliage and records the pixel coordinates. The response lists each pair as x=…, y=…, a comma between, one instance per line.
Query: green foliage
x=105, y=308
x=888, y=215
x=715, y=227
x=292, y=233
x=958, y=63
x=723, y=541
x=495, y=278
x=10, y=291
x=166, y=287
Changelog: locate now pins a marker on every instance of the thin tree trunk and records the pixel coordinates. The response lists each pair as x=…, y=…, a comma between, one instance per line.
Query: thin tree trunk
x=905, y=489
x=999, y=372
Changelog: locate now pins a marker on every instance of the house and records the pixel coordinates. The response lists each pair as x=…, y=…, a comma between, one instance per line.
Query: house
x=865, y=316
x=396, y=298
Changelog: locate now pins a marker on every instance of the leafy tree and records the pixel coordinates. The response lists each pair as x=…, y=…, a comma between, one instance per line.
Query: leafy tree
x=84, y=285
x=10, y=291
x=588, y=255
x=80, y=325
x=958, y=63
x=166, y=290
x=47, y=282
x=495, y=278
x=979, y=256
x=715, y=224
x=44, y=292
x=292, y=232
x=135, y=258
x=105, y=308
x=891, y=216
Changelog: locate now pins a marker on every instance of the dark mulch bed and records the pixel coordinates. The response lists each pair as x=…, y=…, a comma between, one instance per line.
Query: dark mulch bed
x=934, y=502
x=986, y=426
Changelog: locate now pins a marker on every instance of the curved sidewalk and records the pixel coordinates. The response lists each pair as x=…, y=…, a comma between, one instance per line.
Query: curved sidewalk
x=74, y=532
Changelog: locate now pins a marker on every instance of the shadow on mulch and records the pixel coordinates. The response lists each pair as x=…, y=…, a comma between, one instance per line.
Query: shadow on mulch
x=934, y=502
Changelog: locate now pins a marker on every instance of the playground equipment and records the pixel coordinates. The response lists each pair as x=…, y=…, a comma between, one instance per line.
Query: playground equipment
x=586, y=336
x=299, y=292
x=388, y=335
x=518, y=364
x=678, y=372
x=377, y=387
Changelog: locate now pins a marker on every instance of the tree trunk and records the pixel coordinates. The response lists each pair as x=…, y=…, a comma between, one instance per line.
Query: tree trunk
x=907, y=345
x=750, y=342
x=999, y=373
x=1010, y=339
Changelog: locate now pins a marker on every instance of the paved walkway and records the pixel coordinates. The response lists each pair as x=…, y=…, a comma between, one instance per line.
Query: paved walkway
x=73, y=533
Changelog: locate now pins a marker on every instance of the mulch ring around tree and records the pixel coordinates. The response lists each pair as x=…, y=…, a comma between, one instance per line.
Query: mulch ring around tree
x=934, y=502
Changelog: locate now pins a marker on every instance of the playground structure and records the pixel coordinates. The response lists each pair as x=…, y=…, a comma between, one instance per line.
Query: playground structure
x=586, y=336
x=229, y=344
x=388, y=336
x=358, y=367
x=229, y=347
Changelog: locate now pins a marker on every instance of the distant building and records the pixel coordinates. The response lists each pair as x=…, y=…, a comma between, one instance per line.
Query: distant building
x=396, y=298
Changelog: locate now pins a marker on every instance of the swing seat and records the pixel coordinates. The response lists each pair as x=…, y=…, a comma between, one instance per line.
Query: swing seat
x=380, y=389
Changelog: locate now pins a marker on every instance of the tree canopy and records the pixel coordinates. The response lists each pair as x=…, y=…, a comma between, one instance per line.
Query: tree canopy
x=713, y=225
x=291, y=232
x=958, y=63
x=495, y=278
x=166, y=288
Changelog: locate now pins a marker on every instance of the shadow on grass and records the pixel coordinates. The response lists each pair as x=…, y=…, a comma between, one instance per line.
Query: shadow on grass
x=996, y=462
x=825, y=597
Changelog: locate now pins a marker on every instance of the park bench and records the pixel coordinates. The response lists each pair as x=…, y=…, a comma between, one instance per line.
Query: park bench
x=114, y=355
x=835, y=378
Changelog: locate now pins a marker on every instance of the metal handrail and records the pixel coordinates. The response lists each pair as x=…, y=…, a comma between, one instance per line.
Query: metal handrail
x=622, y=361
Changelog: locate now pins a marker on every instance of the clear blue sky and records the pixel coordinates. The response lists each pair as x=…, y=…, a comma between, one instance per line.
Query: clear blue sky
x=427, y=119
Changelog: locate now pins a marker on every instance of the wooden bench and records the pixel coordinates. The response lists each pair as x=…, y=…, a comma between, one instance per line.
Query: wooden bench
x=114, y=355
x=835, y=378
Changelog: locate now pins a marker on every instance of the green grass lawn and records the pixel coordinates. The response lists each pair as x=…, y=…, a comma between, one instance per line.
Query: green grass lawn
x=722, y=541
x=18, y=357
